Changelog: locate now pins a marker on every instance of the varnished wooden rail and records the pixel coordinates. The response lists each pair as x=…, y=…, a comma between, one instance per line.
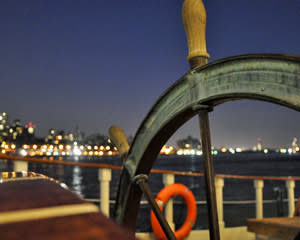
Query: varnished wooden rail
x=257, y=177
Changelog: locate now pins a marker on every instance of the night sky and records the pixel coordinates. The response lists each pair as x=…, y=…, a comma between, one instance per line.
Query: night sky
x=93, y=64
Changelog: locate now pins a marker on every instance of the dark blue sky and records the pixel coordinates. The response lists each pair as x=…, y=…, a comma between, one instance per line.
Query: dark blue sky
x=98, y=63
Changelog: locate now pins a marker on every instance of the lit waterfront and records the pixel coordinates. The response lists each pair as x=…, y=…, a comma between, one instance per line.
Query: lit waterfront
x=65, y=150
x=58, y=150
x=20, y=140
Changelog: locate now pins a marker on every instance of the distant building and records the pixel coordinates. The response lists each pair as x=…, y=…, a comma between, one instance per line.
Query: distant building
x=17, y=129
x=61, y=137
x=189, y=143
x=295, y=147
x=51, y=136
x=259, y=144
x=30, y=128
x=98, y=139
x=4, y=127
x=78, y=135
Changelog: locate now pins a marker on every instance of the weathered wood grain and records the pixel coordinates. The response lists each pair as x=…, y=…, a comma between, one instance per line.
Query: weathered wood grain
x=281, y=228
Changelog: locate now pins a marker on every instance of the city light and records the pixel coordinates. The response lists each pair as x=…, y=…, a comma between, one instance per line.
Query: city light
x=238, y=150
x=60, y=143
x=76, y=151
x=231, y=150
x=179, y=152
x=283, y=150
x=199, y=153
x=23, y=152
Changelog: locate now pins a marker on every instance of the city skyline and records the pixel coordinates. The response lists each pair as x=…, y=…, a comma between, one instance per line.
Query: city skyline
x=66, y=64
x=16, y=127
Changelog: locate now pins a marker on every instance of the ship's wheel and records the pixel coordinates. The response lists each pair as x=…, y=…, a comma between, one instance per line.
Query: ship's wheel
x=271, y=78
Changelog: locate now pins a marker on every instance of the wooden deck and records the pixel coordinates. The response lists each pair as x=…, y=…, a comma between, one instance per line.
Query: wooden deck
x=276, y=228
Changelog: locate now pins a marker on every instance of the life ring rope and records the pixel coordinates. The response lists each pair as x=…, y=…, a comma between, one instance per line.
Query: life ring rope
x=162, y=198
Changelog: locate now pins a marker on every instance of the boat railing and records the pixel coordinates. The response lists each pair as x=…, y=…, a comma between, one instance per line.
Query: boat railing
x=105, y=173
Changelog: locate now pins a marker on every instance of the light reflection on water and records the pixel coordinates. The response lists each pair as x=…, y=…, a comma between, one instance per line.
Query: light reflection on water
x=77, y=180
x=60, y=172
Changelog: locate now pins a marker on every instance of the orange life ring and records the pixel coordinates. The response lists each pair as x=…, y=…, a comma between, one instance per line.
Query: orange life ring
x=163, y=196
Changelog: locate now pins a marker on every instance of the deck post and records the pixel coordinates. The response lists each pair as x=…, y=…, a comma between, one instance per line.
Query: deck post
x=259, y=184
x=104, y=178
x=290, y=185
x=167, y=180
x=20, y=166
x=219, y=183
